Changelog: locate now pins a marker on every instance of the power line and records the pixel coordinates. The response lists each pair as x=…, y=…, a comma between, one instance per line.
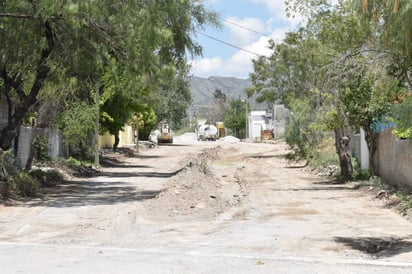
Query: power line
x=243, y=27
x=228, y=44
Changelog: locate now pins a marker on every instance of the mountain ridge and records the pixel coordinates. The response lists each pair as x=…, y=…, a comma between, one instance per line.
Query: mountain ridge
x=234, y=88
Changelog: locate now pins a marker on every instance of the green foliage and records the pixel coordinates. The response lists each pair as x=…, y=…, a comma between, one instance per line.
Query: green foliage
x=403, y=113
x=370, y=99
x=70, y=161
x=324, y=154
x=301, y=133
x=41, y=148
x=235, y=118
x=115, y=112
x=78, y=126
x=173, y=98
x=8, y=169
x=361, y=174
x=48, y=177
x=24, y=185
x=294, y=68
x=392, y=19
x=49, y=45
x=78, y=123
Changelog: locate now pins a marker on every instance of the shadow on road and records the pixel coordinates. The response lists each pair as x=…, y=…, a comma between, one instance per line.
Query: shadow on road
x=77, y=194
x=380, y=247
x=112, y=162
x=140, y=174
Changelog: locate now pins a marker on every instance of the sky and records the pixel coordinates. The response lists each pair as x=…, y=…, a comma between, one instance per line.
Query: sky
x=247, y=26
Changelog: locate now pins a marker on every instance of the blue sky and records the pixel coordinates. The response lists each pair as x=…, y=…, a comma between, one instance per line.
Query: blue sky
x=266, y=18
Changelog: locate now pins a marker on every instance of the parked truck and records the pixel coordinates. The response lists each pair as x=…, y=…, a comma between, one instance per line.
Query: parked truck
x=206, y=132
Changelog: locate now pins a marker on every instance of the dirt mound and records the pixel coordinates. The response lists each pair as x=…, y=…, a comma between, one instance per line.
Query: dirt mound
x=194, y=191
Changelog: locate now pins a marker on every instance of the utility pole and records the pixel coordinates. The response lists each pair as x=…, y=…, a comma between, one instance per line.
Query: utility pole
x=96, y=133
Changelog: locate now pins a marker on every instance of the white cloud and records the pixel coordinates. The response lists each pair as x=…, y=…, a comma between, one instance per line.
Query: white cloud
x=243, y=31
x=278, y=9
x=206, y=66
x=239, y=64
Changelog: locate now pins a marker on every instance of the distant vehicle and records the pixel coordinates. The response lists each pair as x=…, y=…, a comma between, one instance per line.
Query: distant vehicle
x=207, y=133
x=165, y=134
x=221, y=129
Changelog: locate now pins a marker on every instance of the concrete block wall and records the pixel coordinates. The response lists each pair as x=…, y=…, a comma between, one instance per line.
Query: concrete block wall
x=354, y=147
x=25, y=140
x=26, y=137
x=394, y=159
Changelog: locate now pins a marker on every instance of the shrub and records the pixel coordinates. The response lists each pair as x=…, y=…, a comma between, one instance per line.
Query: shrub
x=47, y=178
x=41, y=149
x=7, y=172
x=25, y=185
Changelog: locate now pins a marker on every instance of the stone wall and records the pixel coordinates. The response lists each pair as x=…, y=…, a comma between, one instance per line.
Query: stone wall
x=394, y=159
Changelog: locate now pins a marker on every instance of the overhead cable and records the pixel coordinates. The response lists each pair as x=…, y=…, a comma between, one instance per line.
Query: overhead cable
x=228, y=44
x=243, y=27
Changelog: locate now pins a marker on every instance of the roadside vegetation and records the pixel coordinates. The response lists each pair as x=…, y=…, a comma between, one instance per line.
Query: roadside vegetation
x=347, y=69
x=93, y=66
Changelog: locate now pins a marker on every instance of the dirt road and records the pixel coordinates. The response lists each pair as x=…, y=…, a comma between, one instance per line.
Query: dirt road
x=204, y=207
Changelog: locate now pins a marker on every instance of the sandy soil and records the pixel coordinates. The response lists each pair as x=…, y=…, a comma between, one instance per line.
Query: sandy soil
x=204, y=207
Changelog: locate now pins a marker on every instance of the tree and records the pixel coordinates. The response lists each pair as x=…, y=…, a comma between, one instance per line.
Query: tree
x=402, y=116
x=235, y=118
x=217, y=107
x=392, y=20
x=79, y=124
x=42, y=39
x=294, y=67
x=301, y=133
x=369, y=102
x=295, y=74
x=172, y=98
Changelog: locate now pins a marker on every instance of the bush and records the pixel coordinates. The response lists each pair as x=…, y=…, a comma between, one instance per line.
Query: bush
x=25, y=185
x=324, y=154
x=70, y=162
x=7, y=172
x=41, y=149
x=47, y=178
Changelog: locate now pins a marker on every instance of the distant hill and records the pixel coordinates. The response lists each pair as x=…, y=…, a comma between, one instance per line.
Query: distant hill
x=203, y=89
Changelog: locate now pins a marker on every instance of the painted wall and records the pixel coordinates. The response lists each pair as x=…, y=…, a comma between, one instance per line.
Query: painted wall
x=126, y=138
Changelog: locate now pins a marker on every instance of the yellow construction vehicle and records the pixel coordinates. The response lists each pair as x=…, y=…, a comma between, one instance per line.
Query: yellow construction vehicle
x=165, y=135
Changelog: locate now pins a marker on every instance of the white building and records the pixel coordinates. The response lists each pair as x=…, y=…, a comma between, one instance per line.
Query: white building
x=257, y=122
x=273, y=120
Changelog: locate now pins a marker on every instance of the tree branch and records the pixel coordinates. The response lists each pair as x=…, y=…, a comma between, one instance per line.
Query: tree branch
x=12, y=83
x=26, y=16
x=42, y=67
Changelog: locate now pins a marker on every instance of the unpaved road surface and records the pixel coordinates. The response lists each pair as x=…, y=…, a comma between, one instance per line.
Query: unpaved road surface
x=211, y=207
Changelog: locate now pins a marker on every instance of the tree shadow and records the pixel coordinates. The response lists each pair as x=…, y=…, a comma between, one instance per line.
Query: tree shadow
x=90, y=193
x=316, y=188
x=138, y=156
x=378, y=247
x=113, y=162
x=278, y=156
x=140, y=174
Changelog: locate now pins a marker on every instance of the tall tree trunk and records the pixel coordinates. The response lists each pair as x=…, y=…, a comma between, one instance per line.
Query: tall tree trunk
x=342, y=146
x=116, y=142
x=9, y=132
x=370, y=139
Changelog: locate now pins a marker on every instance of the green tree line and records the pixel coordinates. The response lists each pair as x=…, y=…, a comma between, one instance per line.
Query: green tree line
x=348, y=67
x=55, y=56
